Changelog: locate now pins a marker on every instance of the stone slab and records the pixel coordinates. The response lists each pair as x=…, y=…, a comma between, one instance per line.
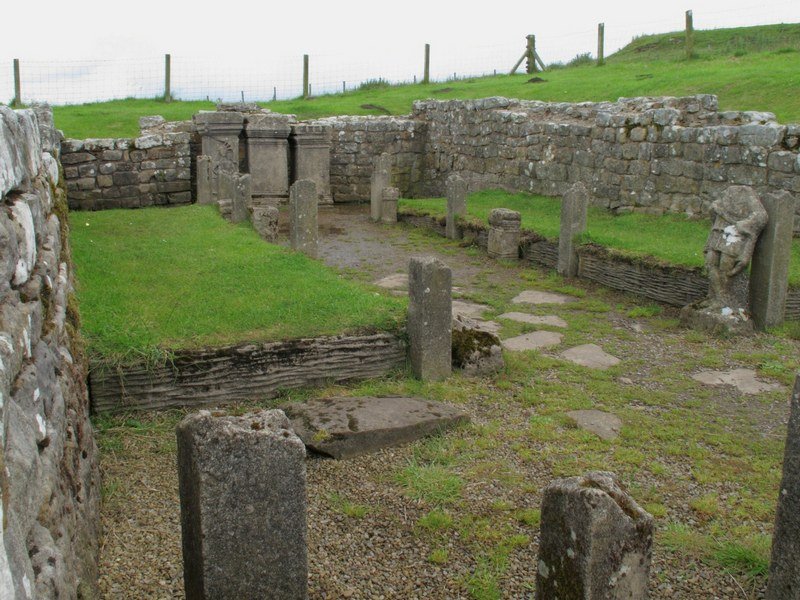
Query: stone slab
x=348, y=427
x=590, y=355
x=603, y=424
x=742, y=379
x=538, y=297
x=469, y=309
x=532, y=341
x=549, y=320
x=397, y=281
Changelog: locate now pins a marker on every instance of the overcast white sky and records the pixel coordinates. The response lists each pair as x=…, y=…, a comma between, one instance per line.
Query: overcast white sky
x=388, y=37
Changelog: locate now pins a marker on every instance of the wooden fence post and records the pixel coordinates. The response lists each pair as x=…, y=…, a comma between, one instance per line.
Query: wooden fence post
x=689, y=34
x=167, y=78
x=426, y=77
x=306, y=92
x=601, y=37
x=530, y=65
x=17, y=85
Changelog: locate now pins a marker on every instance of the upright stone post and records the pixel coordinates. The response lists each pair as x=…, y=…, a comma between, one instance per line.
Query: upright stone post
x=574, y=205
x=456, y=190
x=303, y=217
x=204, y=193
x=226, y=191
x=769, y=269
x=430, y=318
x=504, y=233
x=389, y=199
x=380, y=179
x=242, y=483
x=240, y=209
x=268, y=156
x=265, y=222
x=595, y=541
x=311, y=157
x=784, y=569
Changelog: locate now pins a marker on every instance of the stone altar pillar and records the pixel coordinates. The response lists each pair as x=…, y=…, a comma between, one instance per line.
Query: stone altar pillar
x=219, y=134
x=311, y=157
x=268, y=156
x=430, y=318
x=504, y=233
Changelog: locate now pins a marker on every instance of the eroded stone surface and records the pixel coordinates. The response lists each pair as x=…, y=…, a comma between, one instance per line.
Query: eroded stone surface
x=590, y=355
x=469, y=309
x=550, y=320
x=397, y=281
x=347, y=427
x=532, y=341
x=538, y=297
x=477, y=349
x=742, y=379
x=603, y=424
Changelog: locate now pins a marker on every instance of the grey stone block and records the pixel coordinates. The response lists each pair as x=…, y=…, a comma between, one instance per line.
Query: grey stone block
x=380, y=179
x=242, y=486
x=303, y=230
x=389, y=199
x=240, y=209
x=574, y=206
x=430, y=318
x=265, y=222
x=456, y=191
x=311, y=157
x=504, y=233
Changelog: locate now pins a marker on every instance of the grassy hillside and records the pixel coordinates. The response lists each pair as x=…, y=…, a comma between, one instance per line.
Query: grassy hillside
x=755, y=68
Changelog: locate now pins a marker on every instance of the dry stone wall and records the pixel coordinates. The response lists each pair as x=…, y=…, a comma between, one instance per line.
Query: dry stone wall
x=49, y=481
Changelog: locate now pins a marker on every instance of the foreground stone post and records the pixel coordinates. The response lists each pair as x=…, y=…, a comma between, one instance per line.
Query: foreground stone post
x=430, y=318
x=769, y=270
x=595, y=541
x=504, y=233
x=784, y=570
x=265, y=222
x=242, y=484
x=268, y=155
x=240, y=209
x=389, y=198
x=456, y=190
x=303, y=217
x=574, y=205
x=311, y=157
x=379, y=180
x=204, y=180
x=226, y=192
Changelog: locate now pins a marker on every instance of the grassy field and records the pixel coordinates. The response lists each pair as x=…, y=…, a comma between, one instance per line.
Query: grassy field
x=756, y=68
x=670, y=238
x=156, y=279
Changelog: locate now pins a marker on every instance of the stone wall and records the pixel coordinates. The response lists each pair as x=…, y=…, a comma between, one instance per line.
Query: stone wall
x=150, y=170
x=50, y=480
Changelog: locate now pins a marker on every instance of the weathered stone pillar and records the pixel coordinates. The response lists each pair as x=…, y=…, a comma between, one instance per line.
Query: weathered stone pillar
x=311, y=157
x=504, y=233
x=784, y=570
x=430, y=318
x=240, y=209
x=226, y=191
x=380, y=179
x=456, y=190
x=242, y=484
x=389, y=199
x=268, y=155
x=303, y=217
x=595, y=541
x=769, y=270
x=574, y=205
x=219, y=135
x=265, y=222
x=205, y=194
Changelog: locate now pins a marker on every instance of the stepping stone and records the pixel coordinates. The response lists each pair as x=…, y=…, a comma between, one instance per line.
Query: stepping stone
x=348, y=427
x=549, y=320
x=468, y=309
x=398, y=281
x=742, y=379
x=603, y=424
x=590, y=355
x=532, y=341
x=537, y=297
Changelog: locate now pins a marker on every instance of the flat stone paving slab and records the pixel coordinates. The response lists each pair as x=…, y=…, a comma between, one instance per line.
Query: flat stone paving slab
x=468, y=309
x=603, y=424
x=742, y=379
x=398, y=281
x=537, y=297
x=590, y=355
x=549, y=320
x=348, y=427
x=532, y=341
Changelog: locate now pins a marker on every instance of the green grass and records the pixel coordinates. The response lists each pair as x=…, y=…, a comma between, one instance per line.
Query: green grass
x=754, y=68
x=176, y=278
x=673, y=239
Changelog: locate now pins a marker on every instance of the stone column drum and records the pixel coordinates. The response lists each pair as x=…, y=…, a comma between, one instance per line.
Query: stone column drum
x=389, y=199
x=380, y=179
x=504, y=233
x=574, y=206
x=268, y=156
x=456, y=190
x=430, y=318
x=242, y=483
x=303, y=230
x=311, y=157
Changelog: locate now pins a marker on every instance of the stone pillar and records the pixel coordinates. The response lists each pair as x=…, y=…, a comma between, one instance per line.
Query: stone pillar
x=265, y=222
x=389, y=199
x=430, y=318
x=268, y=156
x=240, y=209
x=769, y=270
x=303, y=217
x=205, y=194
x=311, y=157
x=456, y=204
x=574, y=205
x=380, y=179
x=784, y=569
x=226, y=191
x=219, y=135
x=595, y=541
x=504, y=233
x=242, y=484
